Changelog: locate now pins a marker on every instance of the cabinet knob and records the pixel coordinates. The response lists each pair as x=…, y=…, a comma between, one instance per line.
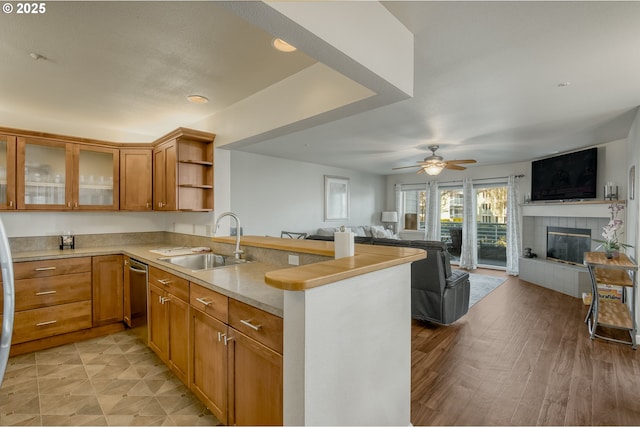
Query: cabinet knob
x=10, y=203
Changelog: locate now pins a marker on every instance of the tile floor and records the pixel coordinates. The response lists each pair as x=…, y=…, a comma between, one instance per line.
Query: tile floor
x=112, y=380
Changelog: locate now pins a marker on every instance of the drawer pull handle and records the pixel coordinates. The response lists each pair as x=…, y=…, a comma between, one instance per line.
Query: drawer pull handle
x=203, y=301
x=164, y=299
x=50, y=322
x=251, y=325
x=164, y=281
x=45, y=293
x=45, y=268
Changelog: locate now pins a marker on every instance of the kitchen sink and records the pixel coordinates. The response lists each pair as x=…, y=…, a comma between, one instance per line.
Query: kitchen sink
x=206, y=261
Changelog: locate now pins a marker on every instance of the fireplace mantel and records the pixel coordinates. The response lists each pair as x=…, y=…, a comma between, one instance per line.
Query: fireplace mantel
x=585, y=208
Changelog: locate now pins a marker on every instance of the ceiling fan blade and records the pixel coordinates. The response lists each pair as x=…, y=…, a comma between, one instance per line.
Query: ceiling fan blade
x=421, y=170
x=407, y=167
x=461, y=161
x=454, y=167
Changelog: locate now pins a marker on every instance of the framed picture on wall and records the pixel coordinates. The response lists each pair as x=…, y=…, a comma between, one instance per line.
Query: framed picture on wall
x=336, y=198
x=632, y=182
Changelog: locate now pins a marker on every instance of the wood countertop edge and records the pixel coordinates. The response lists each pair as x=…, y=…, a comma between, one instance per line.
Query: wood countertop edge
x=367, y=258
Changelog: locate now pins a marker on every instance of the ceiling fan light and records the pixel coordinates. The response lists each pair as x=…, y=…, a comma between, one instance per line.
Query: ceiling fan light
x=434, y=168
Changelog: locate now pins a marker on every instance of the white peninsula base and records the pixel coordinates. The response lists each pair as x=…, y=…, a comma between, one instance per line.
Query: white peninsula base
x=347, y=351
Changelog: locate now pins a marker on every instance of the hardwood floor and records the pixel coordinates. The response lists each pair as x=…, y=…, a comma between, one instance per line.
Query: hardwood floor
x=522, y=356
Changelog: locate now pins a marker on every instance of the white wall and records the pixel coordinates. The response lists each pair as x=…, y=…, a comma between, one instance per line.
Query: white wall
x=271, y=194
x=632, y=232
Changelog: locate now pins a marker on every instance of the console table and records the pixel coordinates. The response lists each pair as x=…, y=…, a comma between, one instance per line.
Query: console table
x=618, y=271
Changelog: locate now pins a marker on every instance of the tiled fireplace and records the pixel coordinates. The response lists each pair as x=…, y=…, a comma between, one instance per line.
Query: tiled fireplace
x=570, y=279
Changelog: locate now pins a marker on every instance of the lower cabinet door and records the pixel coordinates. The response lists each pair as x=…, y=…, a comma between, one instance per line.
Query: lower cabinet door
x=179, y=338
x=209, y=363
x=255, y=382
x=159, y=322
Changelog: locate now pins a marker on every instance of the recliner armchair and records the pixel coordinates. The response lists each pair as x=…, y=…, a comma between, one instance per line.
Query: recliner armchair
x=438, y=294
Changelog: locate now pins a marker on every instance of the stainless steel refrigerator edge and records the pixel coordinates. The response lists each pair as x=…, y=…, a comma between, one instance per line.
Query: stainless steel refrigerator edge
x=6, y=263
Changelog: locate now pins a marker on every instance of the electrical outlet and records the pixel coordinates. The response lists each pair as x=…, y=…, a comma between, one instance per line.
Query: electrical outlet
x=294, y=260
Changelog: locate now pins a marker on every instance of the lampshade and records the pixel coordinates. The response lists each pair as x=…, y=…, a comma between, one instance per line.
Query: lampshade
x=434, y=168
x=389, y=216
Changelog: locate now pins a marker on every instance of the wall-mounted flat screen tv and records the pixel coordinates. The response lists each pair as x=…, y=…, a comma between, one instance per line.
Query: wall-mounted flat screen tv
x=565, y=177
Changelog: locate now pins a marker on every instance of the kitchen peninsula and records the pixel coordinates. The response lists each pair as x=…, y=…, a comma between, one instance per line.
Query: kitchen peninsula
x=346, y=342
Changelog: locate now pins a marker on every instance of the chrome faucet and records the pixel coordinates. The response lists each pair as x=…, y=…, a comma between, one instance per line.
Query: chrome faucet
x=238, y=252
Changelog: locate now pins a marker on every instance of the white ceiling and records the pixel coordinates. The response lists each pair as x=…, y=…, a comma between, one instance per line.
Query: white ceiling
x=486, y=78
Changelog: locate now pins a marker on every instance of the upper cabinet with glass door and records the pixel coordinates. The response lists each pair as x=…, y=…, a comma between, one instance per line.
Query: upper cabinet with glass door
x=96, y=178
x=55, y=175
x=7, y=172
x=43, y=174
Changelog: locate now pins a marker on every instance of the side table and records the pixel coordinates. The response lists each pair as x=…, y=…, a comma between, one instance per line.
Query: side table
x=618, y=271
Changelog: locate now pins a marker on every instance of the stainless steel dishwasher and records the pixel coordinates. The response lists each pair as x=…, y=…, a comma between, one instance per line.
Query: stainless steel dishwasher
x=135, y=296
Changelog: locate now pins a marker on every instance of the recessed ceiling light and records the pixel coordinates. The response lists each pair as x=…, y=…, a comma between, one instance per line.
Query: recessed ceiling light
x=282, y=45
x=198, y=99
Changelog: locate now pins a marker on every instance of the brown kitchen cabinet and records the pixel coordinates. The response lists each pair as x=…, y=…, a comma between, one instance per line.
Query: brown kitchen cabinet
x=57, y=175
x=183, y=172
x=169, y=320
x=255, y=366
x=53, y=297
x=135, y=179
x=236, y=359
x=108, y=289
x=7, y=172
x=209, y=360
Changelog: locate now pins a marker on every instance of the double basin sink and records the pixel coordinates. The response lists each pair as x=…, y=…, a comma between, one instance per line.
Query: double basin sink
x=202, y=261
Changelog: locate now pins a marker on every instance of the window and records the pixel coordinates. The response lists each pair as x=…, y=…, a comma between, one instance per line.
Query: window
x=491, y=215
x=414, y=209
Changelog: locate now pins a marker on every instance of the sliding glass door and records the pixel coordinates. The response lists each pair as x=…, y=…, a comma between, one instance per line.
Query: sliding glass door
x=491, y=217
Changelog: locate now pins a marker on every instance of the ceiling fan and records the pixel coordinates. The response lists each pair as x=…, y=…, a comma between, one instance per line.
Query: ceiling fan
x=433, y=164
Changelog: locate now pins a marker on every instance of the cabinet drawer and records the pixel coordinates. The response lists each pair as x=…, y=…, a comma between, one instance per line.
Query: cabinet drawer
x=210, y=302
x=169, y=282
x=52, y=267
x=54, y=290
x=45, y=322
x=261, y=326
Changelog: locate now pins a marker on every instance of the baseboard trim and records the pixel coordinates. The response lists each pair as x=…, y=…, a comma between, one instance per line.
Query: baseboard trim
x=49, y=342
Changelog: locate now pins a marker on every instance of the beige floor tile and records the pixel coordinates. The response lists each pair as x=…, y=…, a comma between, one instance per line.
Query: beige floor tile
x=70, y=386
x=20, y=420
x=51, y=404
x=113, y=380
x=62, y=371
x=74, y=420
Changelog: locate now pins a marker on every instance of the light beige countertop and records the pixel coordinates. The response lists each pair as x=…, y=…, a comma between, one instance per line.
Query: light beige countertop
x=259, y=284
x=367, y=258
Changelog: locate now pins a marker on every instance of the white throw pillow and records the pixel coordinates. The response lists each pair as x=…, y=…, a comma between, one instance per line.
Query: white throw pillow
x=378, y=231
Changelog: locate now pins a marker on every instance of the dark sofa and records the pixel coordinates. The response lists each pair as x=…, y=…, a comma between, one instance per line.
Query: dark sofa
x=438, y=293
